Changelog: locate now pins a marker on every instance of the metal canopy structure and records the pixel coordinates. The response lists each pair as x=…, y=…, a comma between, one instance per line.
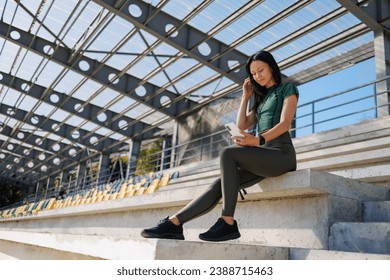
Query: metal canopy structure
x=79, y=79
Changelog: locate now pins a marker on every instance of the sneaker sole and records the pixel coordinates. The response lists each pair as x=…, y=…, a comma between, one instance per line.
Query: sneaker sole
x=222, y=238
x=162, y=236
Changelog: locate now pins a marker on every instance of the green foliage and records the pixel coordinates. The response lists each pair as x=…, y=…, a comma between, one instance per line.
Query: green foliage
x=149, y=157
x=10, y=193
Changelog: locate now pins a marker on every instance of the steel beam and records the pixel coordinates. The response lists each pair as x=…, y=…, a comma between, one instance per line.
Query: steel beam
x=186, y=39
x=65, y=130
x=71, y=105
x=101, y=73
x=32, y=155
x=375, y=13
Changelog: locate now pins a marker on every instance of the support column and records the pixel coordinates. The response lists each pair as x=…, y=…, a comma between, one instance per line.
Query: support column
x=134, y=150
x=80, y=175
x=64, y=177
x=382, y=64
x=104, y=172
x=47, y=185
x=174, y=143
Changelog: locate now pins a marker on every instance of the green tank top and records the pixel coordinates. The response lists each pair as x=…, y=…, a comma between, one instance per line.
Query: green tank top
x=269, y=111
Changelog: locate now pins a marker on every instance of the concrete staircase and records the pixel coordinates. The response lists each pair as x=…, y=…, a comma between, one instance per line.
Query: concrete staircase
x=360, y=151
x=287, y=217
x=336, y=206
x=372, y=235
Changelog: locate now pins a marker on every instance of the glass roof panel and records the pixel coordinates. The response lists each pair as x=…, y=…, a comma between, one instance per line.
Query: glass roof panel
x=251, y=20
x=122, y=104
x=143, y=67
x=180, y=66
x=48, y=75
x=76, y=27
x=339, y=50
x=85, y=91
x=28, y=103
x=180, y=9
x=290, y=24
x=10, y=96
x=8, y=55
x=111, y=35
x=137, y=111
x=215, y=13
x=105, y=97
x=68, y=82
x=13, y=13
x=193, y=79
x=315, y=37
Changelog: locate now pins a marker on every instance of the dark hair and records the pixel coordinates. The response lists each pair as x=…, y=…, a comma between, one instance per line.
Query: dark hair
x=259, y=91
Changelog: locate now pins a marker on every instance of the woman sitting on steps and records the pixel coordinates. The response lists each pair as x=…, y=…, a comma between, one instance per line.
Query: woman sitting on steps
x=269, y=153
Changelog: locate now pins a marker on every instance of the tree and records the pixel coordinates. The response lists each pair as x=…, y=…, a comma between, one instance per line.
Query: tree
x=149, y=157
x=11, y=192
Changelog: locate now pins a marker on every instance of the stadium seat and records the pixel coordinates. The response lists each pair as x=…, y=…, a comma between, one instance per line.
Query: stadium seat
x=27, y=209
x=140, y=191
x=39, y=207
x=164, y=180
x=175, y=175
x=153, y=186
x=85, y=197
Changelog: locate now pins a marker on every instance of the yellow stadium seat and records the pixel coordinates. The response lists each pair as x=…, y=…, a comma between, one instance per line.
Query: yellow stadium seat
x=68, y=201
x=93, y=199
x=143, y=181
x=140, y=191
x=153, y=186
x=164, y=180
x=106, y=197
x=50, y=204
x=76, y=200
x=123, y=187
x=39, y=207
x=137, y=186
x=27, y=209
x=130, y=193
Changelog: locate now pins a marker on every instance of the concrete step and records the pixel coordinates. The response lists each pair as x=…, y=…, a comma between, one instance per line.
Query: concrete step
x=70, y=246
x=270, y=215
x=311, y=254
x=370, y=129
x=44, y=246
x=360, y=237
x=375, y=173
x=195, y=177
x=345, y=150
x=196, y=167
x=341, y=161
x=376, y=211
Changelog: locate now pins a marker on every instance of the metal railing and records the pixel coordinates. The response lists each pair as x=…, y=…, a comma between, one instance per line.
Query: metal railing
x=311, y=117
x=360, y=101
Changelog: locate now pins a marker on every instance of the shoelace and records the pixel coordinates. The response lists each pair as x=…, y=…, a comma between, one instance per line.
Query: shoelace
x=163, y=221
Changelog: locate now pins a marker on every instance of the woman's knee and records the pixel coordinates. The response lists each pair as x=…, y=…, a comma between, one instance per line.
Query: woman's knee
x=228, y=153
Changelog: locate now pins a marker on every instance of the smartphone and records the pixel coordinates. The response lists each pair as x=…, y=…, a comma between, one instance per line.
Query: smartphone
x=234, y=130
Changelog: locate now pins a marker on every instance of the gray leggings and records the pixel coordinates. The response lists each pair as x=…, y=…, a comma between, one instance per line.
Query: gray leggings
x=242, y=167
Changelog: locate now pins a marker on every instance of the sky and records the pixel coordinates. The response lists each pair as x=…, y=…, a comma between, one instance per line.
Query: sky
x=354, y=76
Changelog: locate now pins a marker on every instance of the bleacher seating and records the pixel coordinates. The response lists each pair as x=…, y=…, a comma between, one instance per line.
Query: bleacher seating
x=119, y=189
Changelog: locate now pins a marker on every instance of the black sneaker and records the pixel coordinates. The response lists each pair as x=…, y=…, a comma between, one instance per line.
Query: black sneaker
x=221, y=231
x=165, y=229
